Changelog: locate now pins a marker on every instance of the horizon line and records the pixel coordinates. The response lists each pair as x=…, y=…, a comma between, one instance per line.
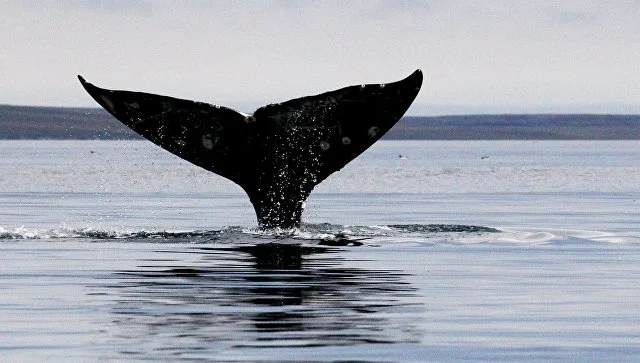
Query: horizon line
x=444, y=110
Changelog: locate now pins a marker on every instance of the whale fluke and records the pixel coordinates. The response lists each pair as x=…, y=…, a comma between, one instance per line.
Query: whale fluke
x=278, y=154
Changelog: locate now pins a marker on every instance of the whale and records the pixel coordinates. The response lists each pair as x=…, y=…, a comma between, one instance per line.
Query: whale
x=278, y=154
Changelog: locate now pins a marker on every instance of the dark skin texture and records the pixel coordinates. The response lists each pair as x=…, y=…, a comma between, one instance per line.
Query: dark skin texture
x=278, y=154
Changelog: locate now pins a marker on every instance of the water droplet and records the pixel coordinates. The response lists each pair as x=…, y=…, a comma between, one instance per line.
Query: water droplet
x=346, y=141
x=324, y=145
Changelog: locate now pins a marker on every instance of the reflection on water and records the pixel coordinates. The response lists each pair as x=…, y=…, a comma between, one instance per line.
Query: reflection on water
x=208, y=299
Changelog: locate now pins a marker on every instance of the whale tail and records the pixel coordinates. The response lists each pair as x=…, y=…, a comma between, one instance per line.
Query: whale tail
x=278, y=154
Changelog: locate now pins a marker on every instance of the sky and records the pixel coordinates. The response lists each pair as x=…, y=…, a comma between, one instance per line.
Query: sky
x=490, y=56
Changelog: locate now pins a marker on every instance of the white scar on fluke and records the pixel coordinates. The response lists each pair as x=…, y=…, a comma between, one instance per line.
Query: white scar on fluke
x=279, y=153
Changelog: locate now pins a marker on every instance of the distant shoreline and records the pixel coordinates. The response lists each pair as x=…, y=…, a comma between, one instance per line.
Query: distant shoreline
x=68, y=123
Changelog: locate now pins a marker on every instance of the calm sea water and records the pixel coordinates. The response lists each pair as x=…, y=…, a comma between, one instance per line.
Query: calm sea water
x=508, y=250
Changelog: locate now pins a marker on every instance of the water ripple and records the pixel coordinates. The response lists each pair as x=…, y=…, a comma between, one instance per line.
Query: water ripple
x=266, y=295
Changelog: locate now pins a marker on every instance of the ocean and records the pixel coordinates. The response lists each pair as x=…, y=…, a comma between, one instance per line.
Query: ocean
x=415, y=251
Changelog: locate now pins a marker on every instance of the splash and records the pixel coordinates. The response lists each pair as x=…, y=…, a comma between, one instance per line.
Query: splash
x=328, y=234
x=100, y=234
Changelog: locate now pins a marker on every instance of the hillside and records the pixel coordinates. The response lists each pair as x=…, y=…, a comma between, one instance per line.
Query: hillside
x=519, y=127
x=21, y=122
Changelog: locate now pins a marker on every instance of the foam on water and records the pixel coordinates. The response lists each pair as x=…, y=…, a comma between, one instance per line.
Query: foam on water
x=306, y=232
x=329, y=234
x=533, y=236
